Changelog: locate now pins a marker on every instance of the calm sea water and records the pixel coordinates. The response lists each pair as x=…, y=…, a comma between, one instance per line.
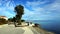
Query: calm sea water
x=50, y=25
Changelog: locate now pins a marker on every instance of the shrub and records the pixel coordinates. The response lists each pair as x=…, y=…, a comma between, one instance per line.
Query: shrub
x=2, y=21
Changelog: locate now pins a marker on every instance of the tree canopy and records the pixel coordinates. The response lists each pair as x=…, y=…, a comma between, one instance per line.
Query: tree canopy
x=19, y=10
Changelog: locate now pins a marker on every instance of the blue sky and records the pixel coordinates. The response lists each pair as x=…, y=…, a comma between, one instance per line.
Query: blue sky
x=34, y=9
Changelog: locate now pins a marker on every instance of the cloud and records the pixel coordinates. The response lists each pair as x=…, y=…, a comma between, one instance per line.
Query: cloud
x=50, y=9
x=7, y=8
x=34, y=10
x=27, y=14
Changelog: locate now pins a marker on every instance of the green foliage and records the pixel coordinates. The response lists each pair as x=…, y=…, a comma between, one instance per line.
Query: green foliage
x=10, y=19
x=22, y=20
x=14, y=19
x=19, y=10
x=2, y=21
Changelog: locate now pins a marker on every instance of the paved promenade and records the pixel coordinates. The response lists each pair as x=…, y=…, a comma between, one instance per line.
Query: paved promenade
x=10, y=29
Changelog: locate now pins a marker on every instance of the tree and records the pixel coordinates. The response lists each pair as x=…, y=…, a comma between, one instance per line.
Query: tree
x=19, y=10
x=3, y=21
x=22, y=20
x=10, y=19
x=14, y=20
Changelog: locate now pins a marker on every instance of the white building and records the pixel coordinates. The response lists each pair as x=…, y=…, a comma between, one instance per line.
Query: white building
x=4, y=17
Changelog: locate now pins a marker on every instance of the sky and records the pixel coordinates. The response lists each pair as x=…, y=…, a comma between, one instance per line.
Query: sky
x=33, y=9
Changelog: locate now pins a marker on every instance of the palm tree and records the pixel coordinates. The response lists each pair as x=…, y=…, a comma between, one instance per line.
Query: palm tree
x=19, y=10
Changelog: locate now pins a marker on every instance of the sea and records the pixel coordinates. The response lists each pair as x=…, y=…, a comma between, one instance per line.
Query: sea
x=49, y=25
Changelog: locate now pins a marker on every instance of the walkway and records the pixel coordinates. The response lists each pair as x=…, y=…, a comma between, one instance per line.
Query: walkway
x=10, y=29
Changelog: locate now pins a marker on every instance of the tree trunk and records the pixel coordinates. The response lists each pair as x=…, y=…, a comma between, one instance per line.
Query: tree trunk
x=19, y=21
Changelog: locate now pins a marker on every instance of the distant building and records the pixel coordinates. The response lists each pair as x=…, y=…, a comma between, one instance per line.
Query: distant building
x=4, y=17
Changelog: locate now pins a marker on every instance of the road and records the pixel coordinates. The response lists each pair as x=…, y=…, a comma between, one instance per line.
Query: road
x=10, y=29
